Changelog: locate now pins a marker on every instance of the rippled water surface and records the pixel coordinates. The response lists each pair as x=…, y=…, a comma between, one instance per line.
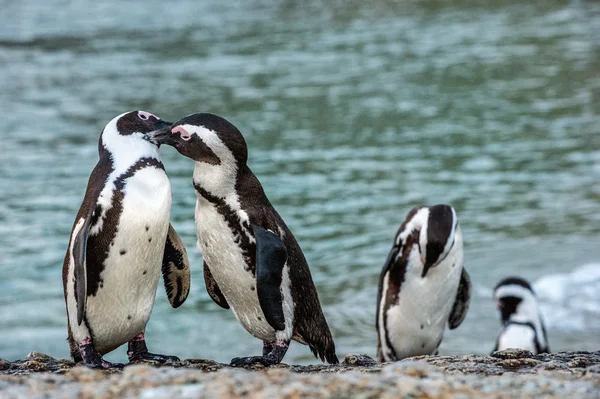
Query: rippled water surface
x=353, y=111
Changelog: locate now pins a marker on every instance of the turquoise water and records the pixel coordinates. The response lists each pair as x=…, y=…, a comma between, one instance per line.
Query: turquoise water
x=354, y=112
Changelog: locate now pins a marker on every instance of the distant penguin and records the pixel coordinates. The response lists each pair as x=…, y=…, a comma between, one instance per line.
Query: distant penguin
x=120, y=242
x=423, y=285
x=252, y=262
x=522, y=324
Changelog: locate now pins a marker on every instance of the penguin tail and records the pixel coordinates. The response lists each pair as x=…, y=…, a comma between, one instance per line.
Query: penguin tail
x=325, y=354
x=320, y=343
x=322, y=346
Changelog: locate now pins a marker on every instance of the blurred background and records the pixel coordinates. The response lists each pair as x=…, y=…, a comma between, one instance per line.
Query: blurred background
x=354, y=112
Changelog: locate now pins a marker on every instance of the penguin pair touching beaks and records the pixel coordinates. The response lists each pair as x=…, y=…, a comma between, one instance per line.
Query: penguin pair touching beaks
x=122, y=239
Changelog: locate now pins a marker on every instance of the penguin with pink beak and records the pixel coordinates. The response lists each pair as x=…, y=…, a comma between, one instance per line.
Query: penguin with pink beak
x=252, y=262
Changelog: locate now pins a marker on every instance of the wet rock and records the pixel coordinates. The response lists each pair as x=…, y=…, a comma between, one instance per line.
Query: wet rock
x=513, y=364
x=4, y=364
x=359, y=360
x=512, y=354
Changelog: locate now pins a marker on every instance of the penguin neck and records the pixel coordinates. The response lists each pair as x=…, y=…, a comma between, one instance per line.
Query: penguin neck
x=218, y=180
x=127, y=152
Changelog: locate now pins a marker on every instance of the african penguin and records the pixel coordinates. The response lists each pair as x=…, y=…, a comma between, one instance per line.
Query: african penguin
x=423, y=285
x=522, y=324
x=252, y=262
x=120, y=241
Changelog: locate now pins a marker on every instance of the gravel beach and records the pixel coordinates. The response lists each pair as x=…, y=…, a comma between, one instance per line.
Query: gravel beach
x=507, y=374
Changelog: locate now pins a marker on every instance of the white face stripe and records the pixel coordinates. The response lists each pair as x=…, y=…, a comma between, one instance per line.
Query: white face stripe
x=513, y=290
x=125, y=150
x=420, y=221
x=218, y=179
x=417, y=222
x=527, y=311
x=452, y=235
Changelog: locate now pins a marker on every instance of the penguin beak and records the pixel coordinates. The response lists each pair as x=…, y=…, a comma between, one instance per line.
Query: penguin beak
x=162, y=136
x=428, y=264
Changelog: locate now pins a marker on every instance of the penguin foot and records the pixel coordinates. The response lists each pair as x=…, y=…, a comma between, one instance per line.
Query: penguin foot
x=103, y=364
x=137, y=351
x=273, y=353
x=92, y=359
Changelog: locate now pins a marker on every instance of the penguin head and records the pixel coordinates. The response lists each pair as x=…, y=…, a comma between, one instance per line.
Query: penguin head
x=131, y=130
x=207, y=138
x=434, y=230
x=516, y=300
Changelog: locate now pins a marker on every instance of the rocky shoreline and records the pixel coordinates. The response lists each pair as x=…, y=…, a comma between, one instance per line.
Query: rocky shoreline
x=511, y=373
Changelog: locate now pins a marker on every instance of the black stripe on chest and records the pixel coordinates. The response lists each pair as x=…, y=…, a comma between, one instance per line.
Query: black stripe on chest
x=238, y=227
x=99, y=244
x=396, y=276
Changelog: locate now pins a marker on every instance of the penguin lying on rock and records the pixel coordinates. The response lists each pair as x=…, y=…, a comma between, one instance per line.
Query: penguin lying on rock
x=120, y=241
x=522, y=324
x=252, y=262
x=423, y=285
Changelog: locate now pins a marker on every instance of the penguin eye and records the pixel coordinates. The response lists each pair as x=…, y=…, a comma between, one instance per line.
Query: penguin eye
x=183, y=134
x=144, y=115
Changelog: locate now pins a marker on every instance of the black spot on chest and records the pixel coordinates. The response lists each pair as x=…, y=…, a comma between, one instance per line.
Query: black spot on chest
x=238, y=227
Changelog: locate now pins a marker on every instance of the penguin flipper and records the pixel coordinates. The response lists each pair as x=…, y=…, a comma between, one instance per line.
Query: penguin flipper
x=213, y=289
x=175, y=269
x=271, y=256
x=461, y=303
x=80, y=272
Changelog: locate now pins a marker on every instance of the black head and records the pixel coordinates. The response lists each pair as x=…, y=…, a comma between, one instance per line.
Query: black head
x=507, y=306
x=130, y=131
x=206, y=138
x=433, y=231
x=514, y=295
x=515, y=281
x=441, y=231
x=139, y=122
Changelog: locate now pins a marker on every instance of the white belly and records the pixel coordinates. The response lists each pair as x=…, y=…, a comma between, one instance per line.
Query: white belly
x=416, y=323
x=123, y=303
x=226, y=264
x=517, y=337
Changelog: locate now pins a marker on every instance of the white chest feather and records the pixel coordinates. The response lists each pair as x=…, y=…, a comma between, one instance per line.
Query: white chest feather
x=226, y=263
x=518, y=337
x=416, y=323
x=123, y=303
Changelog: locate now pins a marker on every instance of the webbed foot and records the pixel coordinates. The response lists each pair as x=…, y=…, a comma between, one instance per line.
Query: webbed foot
x=137, y=351
x=273, y=353
x=93, y=359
